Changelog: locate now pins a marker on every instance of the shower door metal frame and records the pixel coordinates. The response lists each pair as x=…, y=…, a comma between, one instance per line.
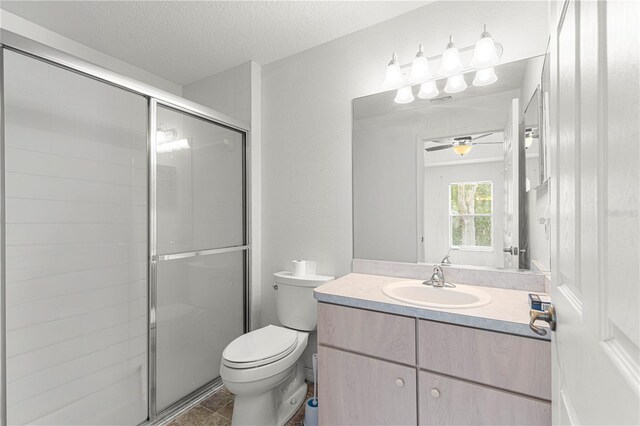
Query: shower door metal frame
x=20, y=44
x=154, y=257
x=3, y=276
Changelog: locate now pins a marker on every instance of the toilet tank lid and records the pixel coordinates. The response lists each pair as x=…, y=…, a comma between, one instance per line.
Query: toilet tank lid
x=286, y=277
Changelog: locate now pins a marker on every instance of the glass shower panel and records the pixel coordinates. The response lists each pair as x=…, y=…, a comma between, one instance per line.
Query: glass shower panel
x=200, y=310
x=76, y=258
x=200, y=206
x=199, y=184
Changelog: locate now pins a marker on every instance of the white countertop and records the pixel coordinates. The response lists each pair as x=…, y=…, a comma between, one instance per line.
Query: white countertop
x=508, y=311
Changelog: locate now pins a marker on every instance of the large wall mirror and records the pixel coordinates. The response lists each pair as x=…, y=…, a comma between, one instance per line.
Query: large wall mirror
x=461, y=175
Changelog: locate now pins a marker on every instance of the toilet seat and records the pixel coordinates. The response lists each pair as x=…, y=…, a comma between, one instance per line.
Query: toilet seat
x=260, y=347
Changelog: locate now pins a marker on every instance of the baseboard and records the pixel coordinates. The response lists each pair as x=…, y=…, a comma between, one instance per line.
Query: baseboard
x=308, y=374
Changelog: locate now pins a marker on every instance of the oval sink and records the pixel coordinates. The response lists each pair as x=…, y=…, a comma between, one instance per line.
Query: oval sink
x=416, y=293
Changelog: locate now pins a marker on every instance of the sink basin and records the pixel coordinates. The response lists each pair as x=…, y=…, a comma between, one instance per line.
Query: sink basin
x=415, y=293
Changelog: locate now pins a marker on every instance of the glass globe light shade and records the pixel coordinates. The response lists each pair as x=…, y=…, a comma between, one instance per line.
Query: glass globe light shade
x=450, y=63
x=485, y=77
x=404, y=95
x=455, y=84
x=484, y=53
x=393, y=77
x=420, y=67
x=428, y=90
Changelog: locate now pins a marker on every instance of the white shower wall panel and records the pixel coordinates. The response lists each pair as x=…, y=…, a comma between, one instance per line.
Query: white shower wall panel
x=76, y=258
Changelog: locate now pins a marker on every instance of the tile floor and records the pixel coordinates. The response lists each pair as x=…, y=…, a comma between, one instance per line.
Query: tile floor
x=218, y=408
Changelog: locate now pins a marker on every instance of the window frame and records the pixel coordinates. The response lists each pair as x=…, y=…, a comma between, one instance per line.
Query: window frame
x=488, y=248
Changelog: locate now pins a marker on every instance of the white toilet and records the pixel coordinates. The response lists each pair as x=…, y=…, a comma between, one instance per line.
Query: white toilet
x=263, y=368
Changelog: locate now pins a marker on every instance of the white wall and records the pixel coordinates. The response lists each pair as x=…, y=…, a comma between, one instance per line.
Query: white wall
x=21, y=26
x=306, y=103
x=237, y=92
x=228, y=91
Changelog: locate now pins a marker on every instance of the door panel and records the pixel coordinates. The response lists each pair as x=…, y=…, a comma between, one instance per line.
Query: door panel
x=76, y=247
x=200, y=310
x=200, y=207
x=200, y=178
x=596, y=110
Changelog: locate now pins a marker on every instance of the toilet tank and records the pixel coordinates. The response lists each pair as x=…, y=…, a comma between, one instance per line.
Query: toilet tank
x=294, y=299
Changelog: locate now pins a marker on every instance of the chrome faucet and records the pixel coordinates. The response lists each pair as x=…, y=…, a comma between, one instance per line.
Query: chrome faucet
x=437, y=278
x=445, y=260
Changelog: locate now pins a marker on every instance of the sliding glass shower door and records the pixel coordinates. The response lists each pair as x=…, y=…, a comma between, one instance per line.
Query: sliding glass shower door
x=76, y=247
x=201, y=250
x=125, y=230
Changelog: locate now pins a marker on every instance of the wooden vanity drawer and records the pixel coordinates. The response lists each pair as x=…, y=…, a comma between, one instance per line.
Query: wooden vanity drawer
x=514, y=363
x=444, y=400
x=391, y=337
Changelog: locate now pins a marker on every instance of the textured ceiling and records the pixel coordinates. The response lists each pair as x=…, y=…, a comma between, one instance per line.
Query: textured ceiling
x=185, y=41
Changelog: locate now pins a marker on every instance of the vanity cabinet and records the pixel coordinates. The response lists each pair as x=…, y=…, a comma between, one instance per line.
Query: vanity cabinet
x=378, y=368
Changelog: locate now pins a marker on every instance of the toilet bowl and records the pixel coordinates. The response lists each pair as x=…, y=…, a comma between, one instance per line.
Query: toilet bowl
x=263, y=368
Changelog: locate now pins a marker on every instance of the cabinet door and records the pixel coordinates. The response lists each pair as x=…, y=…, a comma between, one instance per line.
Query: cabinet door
x=358, y=390
x=447, y=401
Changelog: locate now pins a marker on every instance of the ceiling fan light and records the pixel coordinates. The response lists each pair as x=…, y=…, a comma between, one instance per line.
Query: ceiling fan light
x=450, y=63
x=428, y=90
x=404, y=95
x=420, y=67
x=462, y=149
x=485, y=77
x=455, y=84
x=393, y=77
x=484, y=53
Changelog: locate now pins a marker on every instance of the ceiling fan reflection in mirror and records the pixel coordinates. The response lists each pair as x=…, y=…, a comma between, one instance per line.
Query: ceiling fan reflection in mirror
x=460, y=145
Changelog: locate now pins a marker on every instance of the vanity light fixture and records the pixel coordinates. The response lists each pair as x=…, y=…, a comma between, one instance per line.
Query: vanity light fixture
x=393, y=78
x=420, y=67
x=428, y=90
x=455, y=84
x=404, y=95
x=451, y=63
x=485, y=77
x=484, y=53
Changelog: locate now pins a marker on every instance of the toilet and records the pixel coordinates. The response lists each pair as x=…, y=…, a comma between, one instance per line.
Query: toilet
x=263, y=368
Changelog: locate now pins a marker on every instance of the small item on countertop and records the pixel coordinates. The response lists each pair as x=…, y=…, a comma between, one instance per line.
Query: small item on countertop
x=539, y=302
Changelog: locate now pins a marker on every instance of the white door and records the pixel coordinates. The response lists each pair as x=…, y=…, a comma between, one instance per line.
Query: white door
x=511, y=188
x=596, y=222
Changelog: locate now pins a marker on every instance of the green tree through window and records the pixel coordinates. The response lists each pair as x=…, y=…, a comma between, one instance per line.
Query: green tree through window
x=470, y=214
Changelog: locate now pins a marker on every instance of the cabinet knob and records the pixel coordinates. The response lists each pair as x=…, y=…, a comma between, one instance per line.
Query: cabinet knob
x=435, y=393
x=399, y=382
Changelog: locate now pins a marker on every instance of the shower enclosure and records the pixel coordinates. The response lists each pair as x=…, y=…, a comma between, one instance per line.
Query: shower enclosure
x=124, y=243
